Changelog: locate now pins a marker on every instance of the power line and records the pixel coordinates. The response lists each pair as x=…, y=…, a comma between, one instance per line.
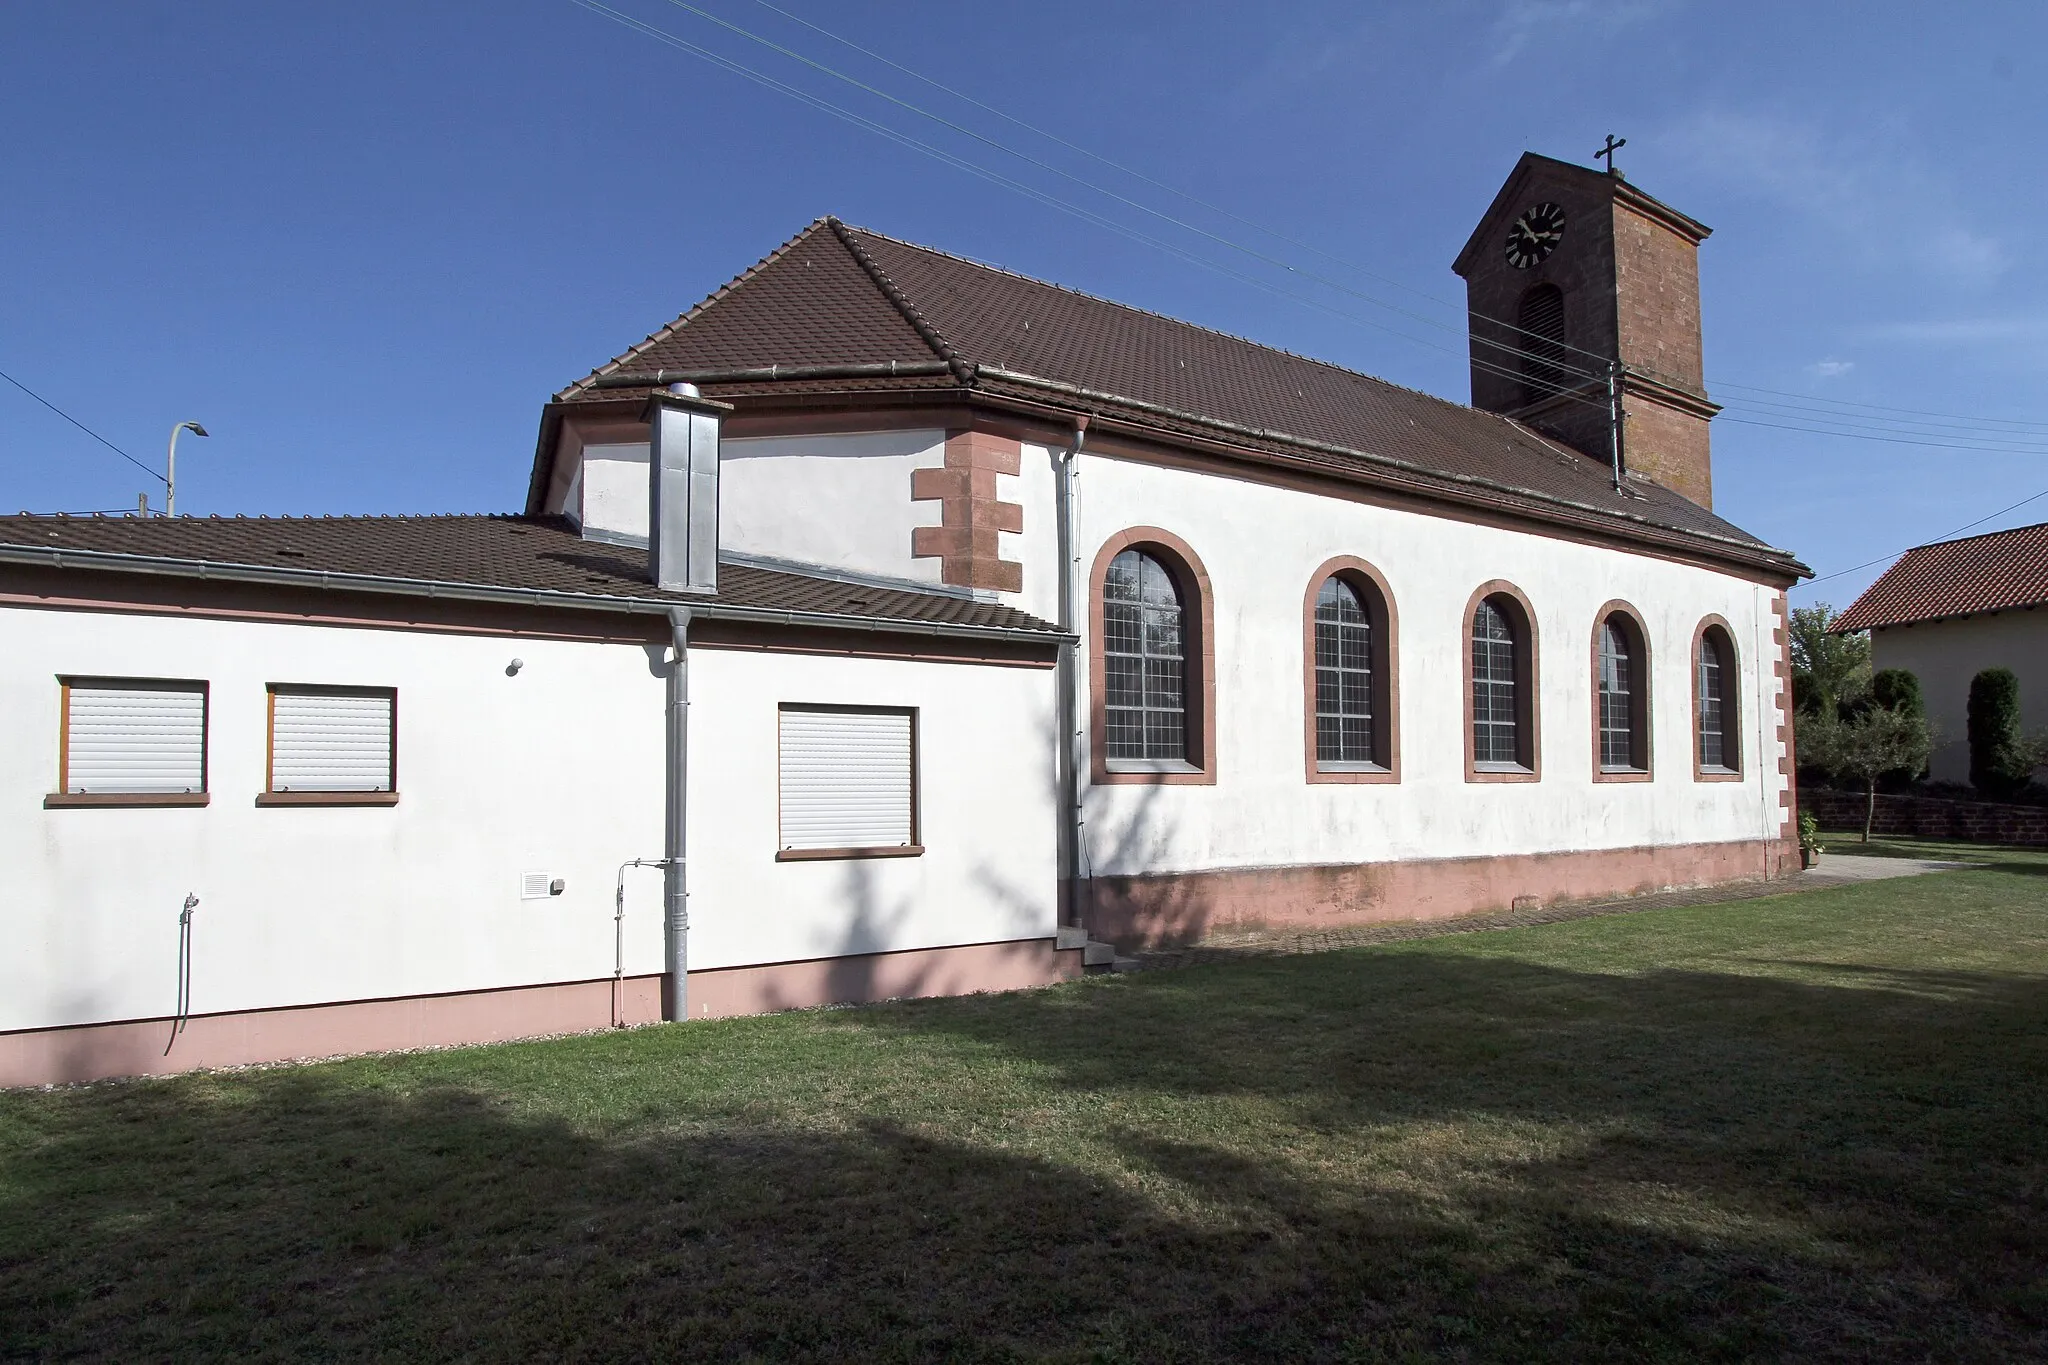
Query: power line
x=1879, y=407
x=1910, y=433
x=1276, y=262
x=82, y=427
x=1223, y=211
x=995, y=177
x=1946, y=535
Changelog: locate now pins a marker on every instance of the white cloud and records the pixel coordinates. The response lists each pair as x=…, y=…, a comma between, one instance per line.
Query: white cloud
x=1838, y=180
x=1993, y=331
x=1523, y=22
x=1830, y=369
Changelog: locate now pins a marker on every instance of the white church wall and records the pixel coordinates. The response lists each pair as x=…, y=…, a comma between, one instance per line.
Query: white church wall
x=1260, y=545
x=986, y=799
x=1036, y=547
x=835, y=501
x=1946, y=655
x=558, y=769
x=610, y=488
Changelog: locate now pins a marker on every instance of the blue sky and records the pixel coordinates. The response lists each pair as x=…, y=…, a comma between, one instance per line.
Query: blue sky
x=363, y=243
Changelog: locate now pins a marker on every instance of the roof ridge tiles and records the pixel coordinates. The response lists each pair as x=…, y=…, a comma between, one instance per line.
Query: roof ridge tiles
x=661, y=334
x=1981, y=535
x=962, y=370
x=1217, y=332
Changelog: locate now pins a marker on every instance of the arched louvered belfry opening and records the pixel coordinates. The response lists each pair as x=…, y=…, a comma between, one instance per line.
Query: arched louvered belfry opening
x=1541, y=319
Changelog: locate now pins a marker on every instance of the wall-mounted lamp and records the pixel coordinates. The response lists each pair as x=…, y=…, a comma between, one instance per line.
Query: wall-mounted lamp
x=512, y=669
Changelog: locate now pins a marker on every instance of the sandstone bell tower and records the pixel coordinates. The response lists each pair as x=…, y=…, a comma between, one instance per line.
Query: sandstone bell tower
x=1574, y=275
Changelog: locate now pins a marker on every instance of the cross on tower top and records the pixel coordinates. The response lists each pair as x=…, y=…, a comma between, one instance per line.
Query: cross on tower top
x=1614, y=144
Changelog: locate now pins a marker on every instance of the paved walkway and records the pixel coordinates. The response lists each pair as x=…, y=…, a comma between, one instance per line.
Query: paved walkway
x=1834, y=870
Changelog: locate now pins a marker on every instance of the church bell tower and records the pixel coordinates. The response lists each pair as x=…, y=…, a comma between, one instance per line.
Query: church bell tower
x=1581, y=286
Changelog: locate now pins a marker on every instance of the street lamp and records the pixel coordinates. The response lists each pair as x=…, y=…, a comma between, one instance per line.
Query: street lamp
x=171, y=482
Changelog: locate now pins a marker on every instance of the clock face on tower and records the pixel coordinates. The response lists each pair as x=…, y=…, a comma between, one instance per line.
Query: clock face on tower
x=1535, y=235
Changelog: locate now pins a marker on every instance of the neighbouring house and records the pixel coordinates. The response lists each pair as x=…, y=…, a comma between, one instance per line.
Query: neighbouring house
x=1948, y=611
x=891, y=624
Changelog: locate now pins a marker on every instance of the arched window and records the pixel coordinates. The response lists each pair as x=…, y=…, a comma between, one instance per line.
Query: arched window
x=1144, y=643
x=1621, y=683
x=1500, y=653
x=1353, y=731
x=1718, y=752
x=1543, y=352
x=1152, y=686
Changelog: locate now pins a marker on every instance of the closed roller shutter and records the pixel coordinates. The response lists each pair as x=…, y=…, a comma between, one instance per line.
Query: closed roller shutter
x=323, y=741
x=846, y=779
x=133, y=736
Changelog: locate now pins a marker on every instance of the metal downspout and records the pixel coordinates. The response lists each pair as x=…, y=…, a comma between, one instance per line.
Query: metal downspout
x=675, y=843
x=1069, y=678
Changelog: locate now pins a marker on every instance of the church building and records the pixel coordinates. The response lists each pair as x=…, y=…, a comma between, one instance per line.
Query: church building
x=891, y=624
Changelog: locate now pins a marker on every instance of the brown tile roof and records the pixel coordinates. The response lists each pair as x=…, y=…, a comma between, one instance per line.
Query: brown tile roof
x=836, y=294
x=1993, y=572
x=498, y=552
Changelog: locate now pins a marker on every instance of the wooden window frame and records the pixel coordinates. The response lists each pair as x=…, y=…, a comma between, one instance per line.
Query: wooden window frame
x=271, y=796
x=1637, y=637
x=63, y=798
x=913, y=849
x=1198, y=648
x=1378, y=599
x=1731, y=701
x=1528, y=687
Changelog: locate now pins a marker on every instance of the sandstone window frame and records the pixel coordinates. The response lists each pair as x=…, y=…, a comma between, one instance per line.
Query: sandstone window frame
x=1527, y=765
x=1377, y=600
x=1714, y=632
x=1627, y=623
x=1198, y=650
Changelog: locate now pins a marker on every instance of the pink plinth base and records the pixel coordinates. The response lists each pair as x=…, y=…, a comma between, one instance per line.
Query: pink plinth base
x=1148, y=911
x=89, y=1052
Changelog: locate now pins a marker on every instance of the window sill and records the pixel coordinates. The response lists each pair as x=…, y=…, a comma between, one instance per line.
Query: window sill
x=1716, y=774
x=1151, y=765
x=1499, y=772
x=327, y=798
x=1351, y=772
x=812, y=855
x=59, y=800
x=1621, y=775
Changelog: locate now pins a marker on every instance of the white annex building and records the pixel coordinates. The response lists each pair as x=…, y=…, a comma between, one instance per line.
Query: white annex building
x=891, y=624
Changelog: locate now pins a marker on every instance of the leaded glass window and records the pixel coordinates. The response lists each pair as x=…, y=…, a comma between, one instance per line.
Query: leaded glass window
x=1496, y=722
x=1617, y=699
x=1715, y=747
x=1344, y=681
x=1145, y=653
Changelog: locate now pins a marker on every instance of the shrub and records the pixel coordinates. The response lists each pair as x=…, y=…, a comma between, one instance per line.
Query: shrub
x=1995, y=740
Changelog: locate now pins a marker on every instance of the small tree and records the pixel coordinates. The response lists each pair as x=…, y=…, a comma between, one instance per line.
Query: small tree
x=1828, y=671
x=1865, y=747
x=1898, y=689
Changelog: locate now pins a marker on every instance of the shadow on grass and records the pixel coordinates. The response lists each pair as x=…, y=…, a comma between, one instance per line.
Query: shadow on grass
x=1346, y=1157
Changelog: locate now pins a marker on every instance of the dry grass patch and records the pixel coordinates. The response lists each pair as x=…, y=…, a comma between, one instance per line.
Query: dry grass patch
x=1805, y=1127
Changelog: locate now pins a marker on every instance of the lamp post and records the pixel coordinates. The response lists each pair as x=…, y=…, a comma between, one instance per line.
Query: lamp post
x=171, y=477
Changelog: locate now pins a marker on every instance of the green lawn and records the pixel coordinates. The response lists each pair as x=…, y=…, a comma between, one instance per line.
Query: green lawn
x=1814, y=1126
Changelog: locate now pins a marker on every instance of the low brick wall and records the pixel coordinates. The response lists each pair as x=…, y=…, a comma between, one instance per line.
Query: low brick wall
x=1931, y=817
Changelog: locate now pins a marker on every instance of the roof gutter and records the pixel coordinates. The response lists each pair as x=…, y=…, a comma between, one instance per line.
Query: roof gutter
x=1777, y=557
x=38, y=556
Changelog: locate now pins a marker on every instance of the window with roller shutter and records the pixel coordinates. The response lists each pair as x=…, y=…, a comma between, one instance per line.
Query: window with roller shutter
x=848, y=782
x=332, y=744
x=131, y=741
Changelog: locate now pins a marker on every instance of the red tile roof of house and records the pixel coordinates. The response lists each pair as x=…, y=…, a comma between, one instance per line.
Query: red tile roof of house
x=836, y=295
x=1993, y=572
